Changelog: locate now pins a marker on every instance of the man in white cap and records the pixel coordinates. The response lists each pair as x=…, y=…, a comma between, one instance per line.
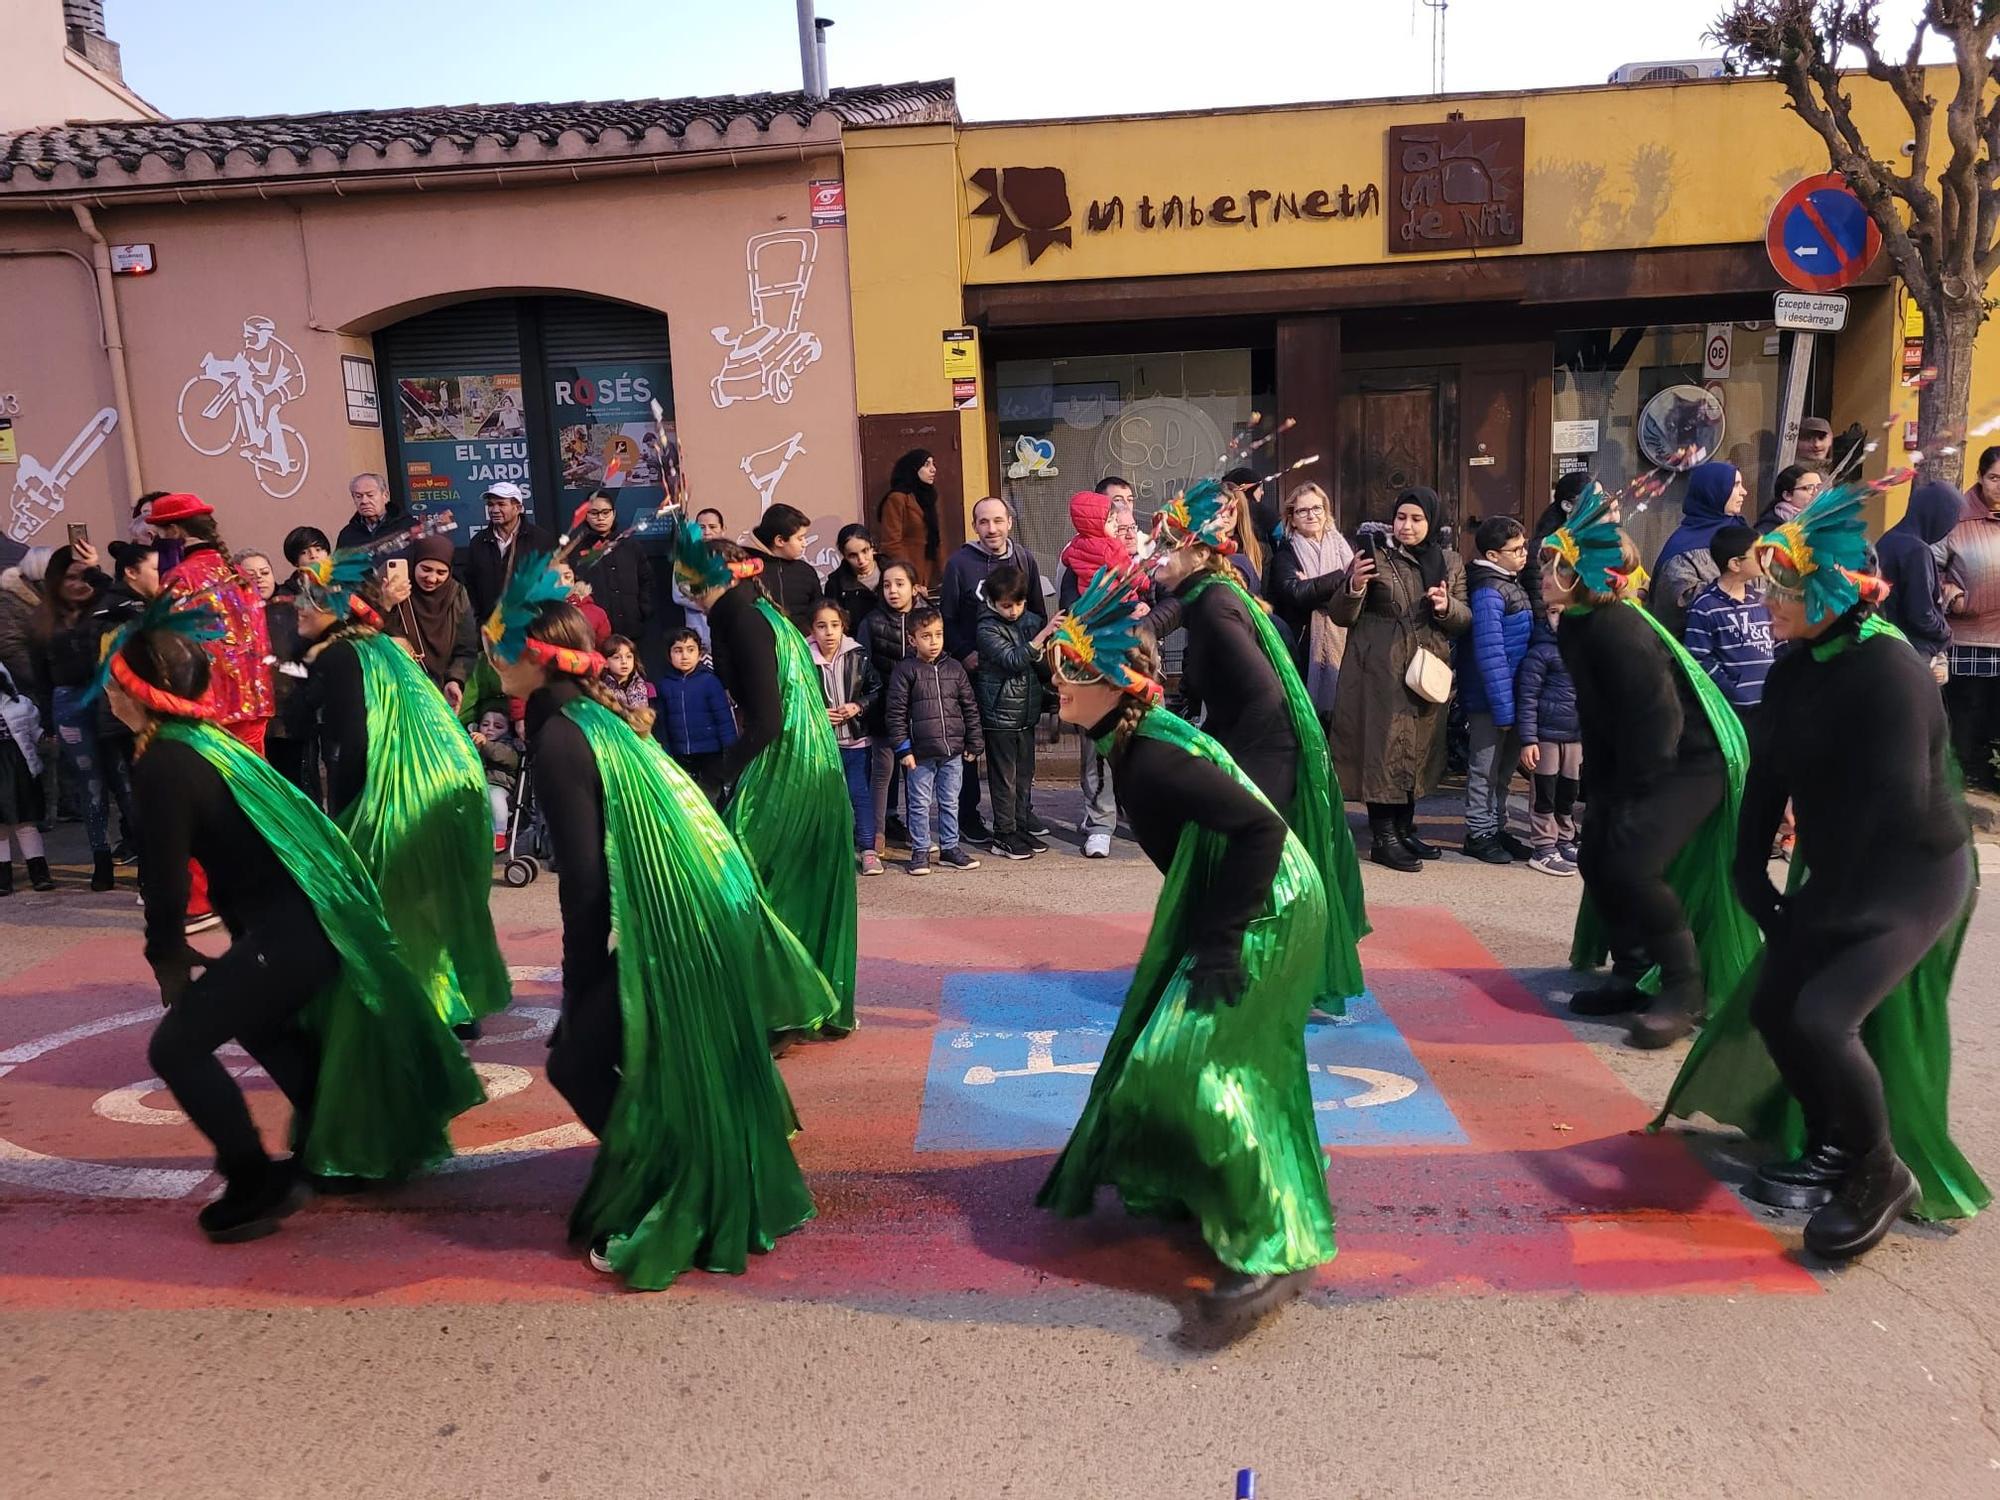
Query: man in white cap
x=507, y=537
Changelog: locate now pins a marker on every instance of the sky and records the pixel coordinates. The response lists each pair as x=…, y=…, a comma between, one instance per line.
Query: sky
x=1016, y=60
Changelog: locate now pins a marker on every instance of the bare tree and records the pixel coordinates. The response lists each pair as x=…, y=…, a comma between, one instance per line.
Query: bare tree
x=1937, y=224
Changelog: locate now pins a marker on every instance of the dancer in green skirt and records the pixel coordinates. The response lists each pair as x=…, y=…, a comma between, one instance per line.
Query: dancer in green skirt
x=1258, y=710
x=667, y=945
x=1836, y=1051
x=313, y=985
x=405, y=785
x=789, y=807
x=1201, y=1106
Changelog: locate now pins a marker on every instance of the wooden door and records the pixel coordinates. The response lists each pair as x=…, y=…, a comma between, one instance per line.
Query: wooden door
x=884, y=439
x=1494, y=406
x=1398, y=428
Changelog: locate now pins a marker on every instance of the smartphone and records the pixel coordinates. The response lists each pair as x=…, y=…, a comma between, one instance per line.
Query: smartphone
x=78, y=532
x=397, y=569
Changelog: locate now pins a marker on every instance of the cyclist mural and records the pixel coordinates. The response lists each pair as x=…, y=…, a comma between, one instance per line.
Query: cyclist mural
x=239, y=403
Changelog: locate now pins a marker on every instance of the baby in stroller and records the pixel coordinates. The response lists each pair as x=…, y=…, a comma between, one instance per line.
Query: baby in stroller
x=500, y=752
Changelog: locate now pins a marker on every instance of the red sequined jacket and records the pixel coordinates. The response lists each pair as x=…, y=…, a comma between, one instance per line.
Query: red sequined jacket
x=240, y=661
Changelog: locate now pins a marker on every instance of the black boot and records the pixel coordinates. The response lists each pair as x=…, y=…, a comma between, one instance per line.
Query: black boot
x=1406, y=830
x=100, y=870
x=1388, y=849
x=1683, y=999
x=1241, y=1298
x=7, y=878
x=38, y=875
x=1617, y=995
x=1806, y=1181
x=1877, y=1191
x=255, y=1196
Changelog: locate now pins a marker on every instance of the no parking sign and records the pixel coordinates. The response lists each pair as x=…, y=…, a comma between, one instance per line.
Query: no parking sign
x=1821, y=237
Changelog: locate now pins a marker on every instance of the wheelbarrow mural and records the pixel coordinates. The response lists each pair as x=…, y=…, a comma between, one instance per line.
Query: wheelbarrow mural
x=767, y=358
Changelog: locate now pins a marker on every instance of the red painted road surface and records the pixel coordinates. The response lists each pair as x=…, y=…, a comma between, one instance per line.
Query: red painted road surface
x=1555, y=1190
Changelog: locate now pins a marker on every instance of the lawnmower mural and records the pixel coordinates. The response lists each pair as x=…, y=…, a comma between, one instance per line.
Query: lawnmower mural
x=767, y=358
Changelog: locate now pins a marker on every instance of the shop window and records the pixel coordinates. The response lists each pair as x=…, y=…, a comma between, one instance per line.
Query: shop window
x=1627, y=398
x=1160, y=421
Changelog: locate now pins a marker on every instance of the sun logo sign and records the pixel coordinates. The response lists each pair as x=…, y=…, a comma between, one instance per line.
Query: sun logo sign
x=1027, y=203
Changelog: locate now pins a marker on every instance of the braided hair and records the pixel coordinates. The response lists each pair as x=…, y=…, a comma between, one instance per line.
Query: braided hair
x=563, y=625
x=1144, y=658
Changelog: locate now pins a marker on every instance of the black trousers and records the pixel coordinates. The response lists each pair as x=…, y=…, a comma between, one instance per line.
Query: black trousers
x=252, y=995
x=1010, y=768
x=1275, y=771
x=1627, y=844
x=1825, y=974
x=297, y=760
x=585, y=1052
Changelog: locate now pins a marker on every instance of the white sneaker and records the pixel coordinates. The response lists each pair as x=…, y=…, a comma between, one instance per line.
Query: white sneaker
x=1097, y=846
x=202, y=923
x=597, y=1259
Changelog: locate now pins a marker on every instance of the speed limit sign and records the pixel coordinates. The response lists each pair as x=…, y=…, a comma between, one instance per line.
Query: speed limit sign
x=1715, y=352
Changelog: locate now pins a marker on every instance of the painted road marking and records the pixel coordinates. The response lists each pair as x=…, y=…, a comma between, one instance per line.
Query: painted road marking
x=995, y=1084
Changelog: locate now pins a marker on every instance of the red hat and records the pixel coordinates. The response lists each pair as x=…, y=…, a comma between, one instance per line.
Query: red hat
x=178, y=507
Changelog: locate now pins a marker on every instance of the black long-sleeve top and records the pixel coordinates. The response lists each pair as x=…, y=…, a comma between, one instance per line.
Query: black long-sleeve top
x=1163, y=789
x=185, y=811
x=746, y=659
x=1640, y=715
x=69, y=653
x=1225, y=668
x=342, y=697
x=1853, y=734
x=571, y=794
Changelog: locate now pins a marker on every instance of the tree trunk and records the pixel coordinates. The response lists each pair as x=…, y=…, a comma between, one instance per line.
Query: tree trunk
x=1944, y=406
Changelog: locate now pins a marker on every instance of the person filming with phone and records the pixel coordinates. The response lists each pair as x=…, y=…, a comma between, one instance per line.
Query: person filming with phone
x=433, y=617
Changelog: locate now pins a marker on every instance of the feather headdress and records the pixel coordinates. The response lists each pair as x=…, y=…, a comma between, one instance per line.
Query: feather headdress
x=1095, y=637
x=166, y=613
x=1204, y=513
x=1590, y=543
x=699, y=567
x=1821, y=555
x=331, y=583
x=532, y=587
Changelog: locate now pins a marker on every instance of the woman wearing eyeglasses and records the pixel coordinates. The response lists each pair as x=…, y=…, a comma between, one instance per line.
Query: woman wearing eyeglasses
x=1309, y=569
x=620, y=578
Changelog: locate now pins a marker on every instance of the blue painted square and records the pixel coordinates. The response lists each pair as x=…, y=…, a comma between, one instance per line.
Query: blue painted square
x=1013, y=1055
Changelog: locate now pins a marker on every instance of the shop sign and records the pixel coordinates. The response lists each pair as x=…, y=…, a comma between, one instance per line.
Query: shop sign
x=364, y=401
x=1808, y=313
x=1579, y=436
x=1455, y=185
x=606, y=438
x=1716, y=351
x=1821, y=237
x=829, y=203
x=461, y=433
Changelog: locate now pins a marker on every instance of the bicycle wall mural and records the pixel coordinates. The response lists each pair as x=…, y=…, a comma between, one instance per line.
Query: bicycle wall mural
x=237, y=404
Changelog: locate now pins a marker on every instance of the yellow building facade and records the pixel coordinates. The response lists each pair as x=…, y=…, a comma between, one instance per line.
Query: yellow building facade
x=1477, y=293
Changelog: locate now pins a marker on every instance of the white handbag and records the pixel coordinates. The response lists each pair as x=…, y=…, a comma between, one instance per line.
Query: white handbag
x=1429, y=676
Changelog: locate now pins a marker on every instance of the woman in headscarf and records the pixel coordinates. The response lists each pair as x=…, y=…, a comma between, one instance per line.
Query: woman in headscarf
x=1972, y=599
x=1309, y=570
x=1908, y=560
x=1683, y=569
x=906, y=519
x=1407, y=594
x=435, y=622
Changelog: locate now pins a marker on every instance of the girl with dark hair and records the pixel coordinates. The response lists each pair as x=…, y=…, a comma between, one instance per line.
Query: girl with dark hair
x=666, y=937
x=1404, y=594
x=789, y=808
x=1839, y=1049
x=855, y=584
x=1791, y=492
x=1257, y=708
x=906, y=518
x=1202, y=1107
x=349, y=1037
x=1665, y=754
x=405, y=784
x=66, y=640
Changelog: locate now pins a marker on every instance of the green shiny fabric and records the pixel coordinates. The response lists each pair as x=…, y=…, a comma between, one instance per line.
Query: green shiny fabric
x=1729, y=1076
x=695, y=1169
x=423, y=826
x=391, y=1074
x=1318, y=814
x=1700, y=873
x=1208, y=1111
x=792, y=816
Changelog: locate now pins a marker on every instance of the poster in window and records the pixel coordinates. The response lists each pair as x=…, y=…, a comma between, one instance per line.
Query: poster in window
x=606, y=438
x=460, y=433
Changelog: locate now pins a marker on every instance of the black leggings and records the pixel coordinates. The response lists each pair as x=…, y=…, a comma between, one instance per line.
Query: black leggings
x=1824, y=977
x=585, y=1052
x=252, y=995
x=1274, y=772
x=1627, y=844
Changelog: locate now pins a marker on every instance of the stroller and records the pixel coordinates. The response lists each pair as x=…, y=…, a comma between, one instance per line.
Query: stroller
x=528, y=847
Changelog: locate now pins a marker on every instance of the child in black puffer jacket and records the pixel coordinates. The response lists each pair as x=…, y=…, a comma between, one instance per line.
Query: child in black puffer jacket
x=1552, y=750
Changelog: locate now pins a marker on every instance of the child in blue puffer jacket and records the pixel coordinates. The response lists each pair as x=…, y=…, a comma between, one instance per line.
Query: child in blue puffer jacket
x=1489, y=655
x=693, y=718
x=1552, y=741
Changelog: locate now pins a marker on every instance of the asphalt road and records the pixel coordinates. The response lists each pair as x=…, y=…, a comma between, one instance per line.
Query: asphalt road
x=907, y=1358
